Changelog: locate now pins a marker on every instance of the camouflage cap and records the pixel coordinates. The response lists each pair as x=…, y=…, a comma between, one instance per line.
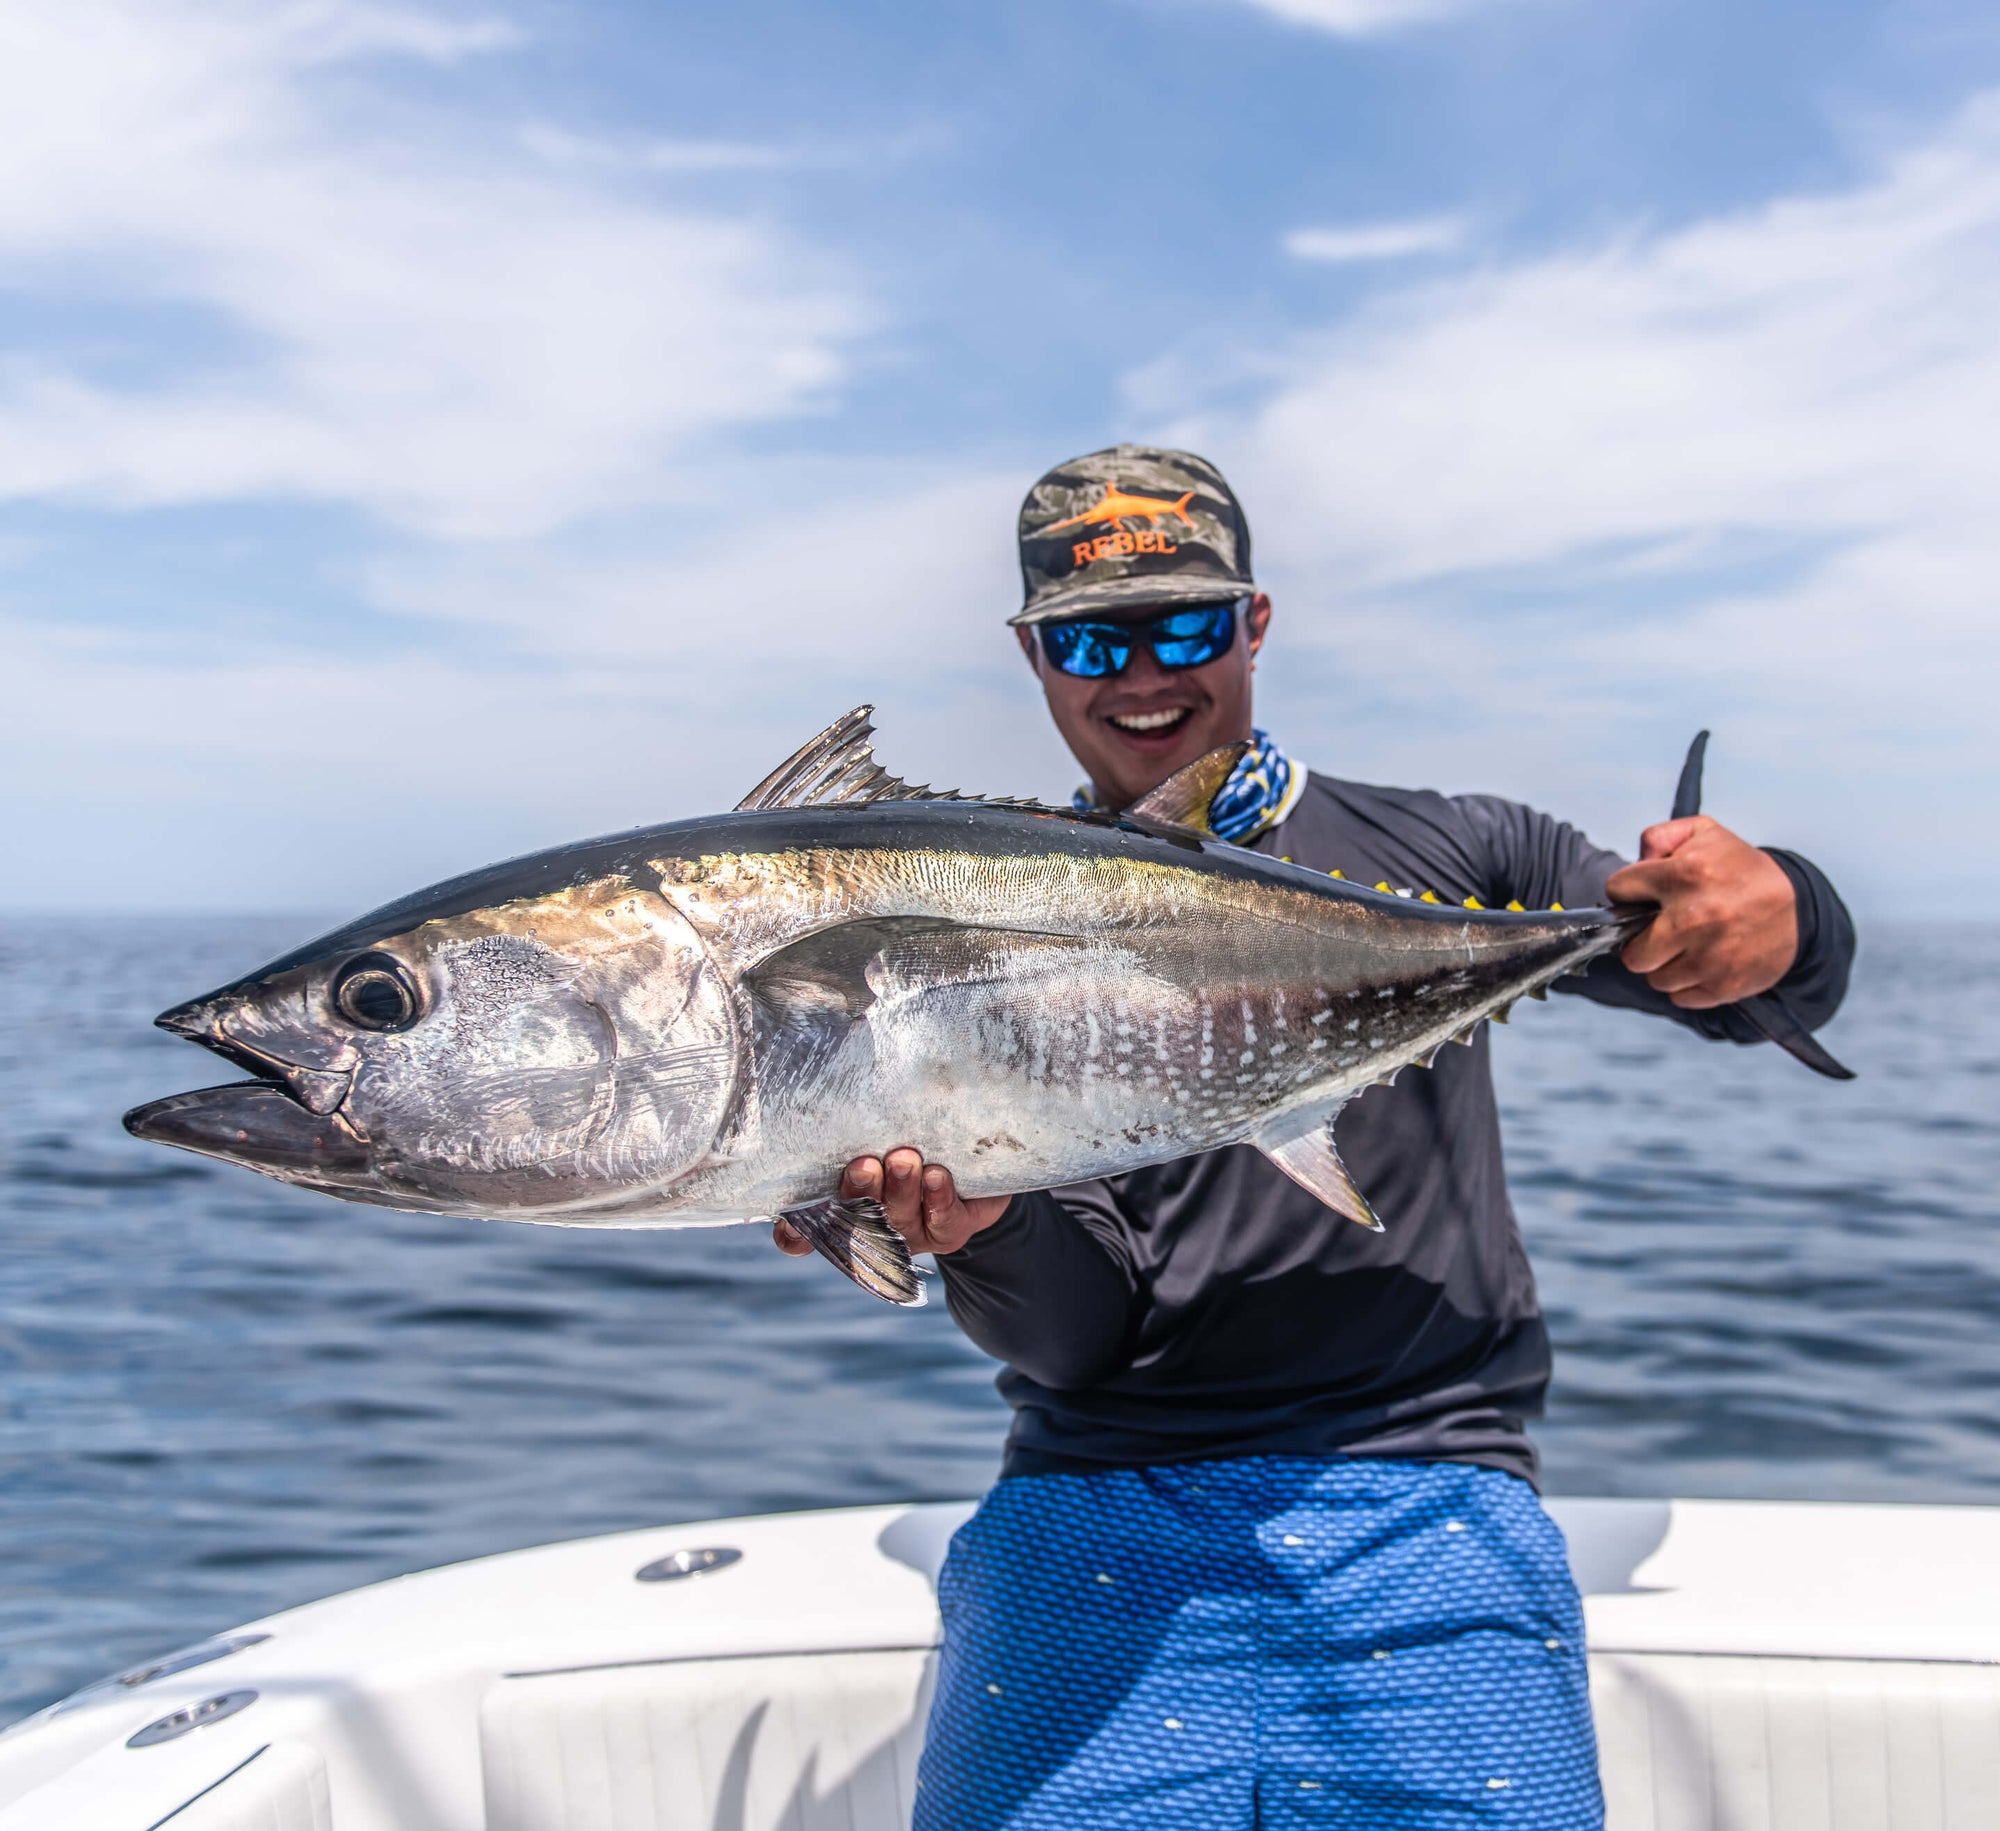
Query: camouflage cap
x=1127, y=527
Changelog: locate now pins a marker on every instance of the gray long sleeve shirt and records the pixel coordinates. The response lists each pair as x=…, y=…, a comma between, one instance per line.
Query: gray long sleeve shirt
x=1210, y=1307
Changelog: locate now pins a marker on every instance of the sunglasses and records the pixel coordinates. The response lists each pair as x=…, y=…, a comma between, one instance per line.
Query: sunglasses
x=1178, y=639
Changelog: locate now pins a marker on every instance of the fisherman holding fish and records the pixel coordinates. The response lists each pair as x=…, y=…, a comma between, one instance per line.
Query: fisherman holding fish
x=1266, y=1549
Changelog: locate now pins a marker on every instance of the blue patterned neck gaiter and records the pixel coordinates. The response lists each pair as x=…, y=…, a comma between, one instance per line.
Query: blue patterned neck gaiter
x=1262, y=789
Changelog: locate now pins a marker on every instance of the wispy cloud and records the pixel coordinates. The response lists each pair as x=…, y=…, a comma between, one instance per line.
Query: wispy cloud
x=559, y=146
x=1367, y=18
x=1746, y=468
x=1381, y=241
x=439, y=328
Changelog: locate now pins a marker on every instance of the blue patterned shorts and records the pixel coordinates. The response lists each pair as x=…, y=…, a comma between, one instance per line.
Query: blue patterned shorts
x=1269, y=1642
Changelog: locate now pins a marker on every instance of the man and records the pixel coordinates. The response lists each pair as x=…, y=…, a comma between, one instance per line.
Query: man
x=1266, y=1550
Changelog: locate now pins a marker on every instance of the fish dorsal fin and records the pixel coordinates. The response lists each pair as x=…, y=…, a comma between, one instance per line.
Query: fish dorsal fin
x=837, y=767
x=1181, y=801
x=1310, y=1159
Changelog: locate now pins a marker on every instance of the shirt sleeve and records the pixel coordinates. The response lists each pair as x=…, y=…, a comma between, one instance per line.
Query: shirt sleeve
x=1048, y=1287
x=1539, y=861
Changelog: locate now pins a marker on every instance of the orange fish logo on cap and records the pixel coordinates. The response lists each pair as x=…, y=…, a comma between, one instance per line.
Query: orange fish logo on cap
x=1116, y=505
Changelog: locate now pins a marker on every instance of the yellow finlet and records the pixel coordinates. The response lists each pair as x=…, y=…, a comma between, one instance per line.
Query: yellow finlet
x=1472, y=902
x=1342, y=875
x=1518, y=907
x=1555, y=909
x=1429, y=896
x=1384, y=887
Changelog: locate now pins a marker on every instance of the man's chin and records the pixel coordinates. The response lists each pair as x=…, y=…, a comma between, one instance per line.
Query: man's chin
x=1140, y=764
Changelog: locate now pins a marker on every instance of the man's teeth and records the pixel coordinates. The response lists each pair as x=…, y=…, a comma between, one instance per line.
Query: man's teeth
x=1149, y=721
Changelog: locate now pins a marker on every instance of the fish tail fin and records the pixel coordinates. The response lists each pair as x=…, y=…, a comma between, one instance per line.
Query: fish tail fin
x=1769, y=1014
x=855, y=1235
x=1180, y=508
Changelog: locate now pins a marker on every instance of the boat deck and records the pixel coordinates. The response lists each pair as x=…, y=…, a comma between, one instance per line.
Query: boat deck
x=1754, y=1666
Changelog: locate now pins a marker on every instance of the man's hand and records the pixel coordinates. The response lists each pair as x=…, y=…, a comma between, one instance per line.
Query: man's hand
x=920, y=1199
x=1728, y=925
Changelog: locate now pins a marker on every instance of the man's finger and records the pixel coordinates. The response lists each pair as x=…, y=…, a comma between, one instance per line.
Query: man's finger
x=902, y=1196
x=1651, y=948
x=944, y=1215
x=861, y=1179
x=787, y=1239
x=1651, y=882
x=1667, y=838
x=1683, y=973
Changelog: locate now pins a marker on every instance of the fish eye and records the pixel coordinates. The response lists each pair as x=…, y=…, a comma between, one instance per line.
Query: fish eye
x=375, y=992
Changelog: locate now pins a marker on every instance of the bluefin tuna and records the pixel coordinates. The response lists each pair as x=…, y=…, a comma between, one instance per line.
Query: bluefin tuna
x=703, y=1022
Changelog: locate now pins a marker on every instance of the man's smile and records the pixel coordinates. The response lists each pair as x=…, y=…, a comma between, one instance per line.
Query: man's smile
x=1157, y=722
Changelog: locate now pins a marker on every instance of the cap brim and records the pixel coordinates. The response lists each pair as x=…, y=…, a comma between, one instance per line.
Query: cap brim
x=1133, y=593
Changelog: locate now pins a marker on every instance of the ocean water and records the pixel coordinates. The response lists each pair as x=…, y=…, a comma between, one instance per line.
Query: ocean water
x=219, y=1396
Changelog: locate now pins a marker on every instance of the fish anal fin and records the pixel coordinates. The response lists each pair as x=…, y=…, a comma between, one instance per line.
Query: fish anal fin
x=1311, y=1160
x=1181, y=801
x=855, y=1235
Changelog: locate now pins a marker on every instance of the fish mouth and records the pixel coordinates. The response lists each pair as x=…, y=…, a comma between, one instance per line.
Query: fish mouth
x=319, y=1090
x=261, y=1126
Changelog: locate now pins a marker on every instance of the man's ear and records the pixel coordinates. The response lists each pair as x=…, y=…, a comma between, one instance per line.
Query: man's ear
x=1030, y=647
x=1258, y=621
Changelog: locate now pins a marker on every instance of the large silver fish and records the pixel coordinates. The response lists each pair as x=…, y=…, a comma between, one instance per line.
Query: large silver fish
x=703, y=1022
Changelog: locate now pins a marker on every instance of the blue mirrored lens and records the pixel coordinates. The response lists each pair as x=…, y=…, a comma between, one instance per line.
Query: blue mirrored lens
x=1088, y=650
x=1193, y=638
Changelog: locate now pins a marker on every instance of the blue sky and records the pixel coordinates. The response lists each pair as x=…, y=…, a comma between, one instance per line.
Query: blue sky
x=428, y=432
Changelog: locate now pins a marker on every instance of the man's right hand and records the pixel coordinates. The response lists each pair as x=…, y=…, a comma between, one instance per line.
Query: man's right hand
x=920, y=1199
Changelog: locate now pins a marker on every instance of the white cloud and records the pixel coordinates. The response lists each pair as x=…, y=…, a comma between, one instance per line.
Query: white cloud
x=1764, y=444
x=1383, y=241
x=1365, y=18
x=583, y=691
x=559, y=146
x=452, y=332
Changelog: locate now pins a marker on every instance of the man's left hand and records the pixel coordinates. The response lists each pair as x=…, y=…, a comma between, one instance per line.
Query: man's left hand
x=1728, y=925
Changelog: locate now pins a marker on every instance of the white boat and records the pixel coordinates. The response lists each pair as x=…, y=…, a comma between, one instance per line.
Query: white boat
x=1755, y=1667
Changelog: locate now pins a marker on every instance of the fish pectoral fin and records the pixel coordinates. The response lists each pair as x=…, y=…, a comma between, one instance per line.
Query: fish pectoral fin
x=1310, y=1159
x=1181, y=801
x=843, y=969
x=856, y=1236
